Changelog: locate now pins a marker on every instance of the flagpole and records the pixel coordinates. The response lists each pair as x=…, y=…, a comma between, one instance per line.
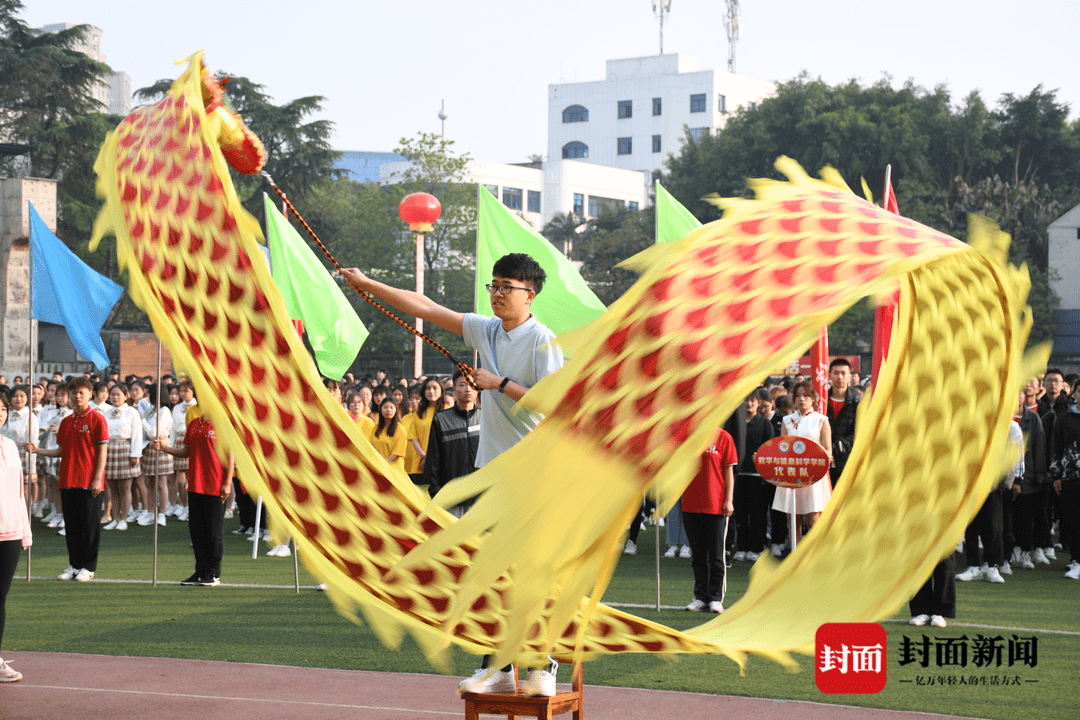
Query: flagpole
x=157, y=456
x=296, y=565
x=31, y=458
x=258, y=530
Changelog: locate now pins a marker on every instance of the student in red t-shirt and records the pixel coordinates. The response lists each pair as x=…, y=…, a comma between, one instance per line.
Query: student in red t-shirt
x=208, y=485
x=707, y=504
x=83, y=438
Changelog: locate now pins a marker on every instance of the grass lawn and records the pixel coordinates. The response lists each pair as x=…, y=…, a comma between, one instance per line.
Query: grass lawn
x=277, y=626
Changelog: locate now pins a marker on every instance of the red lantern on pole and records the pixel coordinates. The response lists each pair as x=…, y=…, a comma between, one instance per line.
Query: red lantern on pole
x=420, y=210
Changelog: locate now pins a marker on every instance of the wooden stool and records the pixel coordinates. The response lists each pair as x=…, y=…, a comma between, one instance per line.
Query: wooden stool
x=520, y=704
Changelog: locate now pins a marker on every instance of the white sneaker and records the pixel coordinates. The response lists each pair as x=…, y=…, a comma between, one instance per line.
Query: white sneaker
x=938, y=621
x=752, y=556
x=170, y=510
x=630, y=549
x=685, y=552
x=109, y=526
x=993, y=575
x=182, y=514
x=1074, y=572
x=972, y=573
x=8, y=673
x=739, y=556
x=145, y=518
x=122, y=525
x=1005, y=568
x=50, y=517
x=960, y=546
x=1049, y=553
x=1025, y=561
x=1016, y=553
x=38, y=513
x=540, y=683
x=68, y=574
x=919, y=620
x=486, y=680
x=54, y=520
x=716, y=607
x=60, y=524
x=672, y=551
x=84, y=575
x=132, y=516
x=62, y=532
x=1039, y=557
x=776, y=550
x=696, y=605
x=228, y=514
x=161, y=519
x=280, y=551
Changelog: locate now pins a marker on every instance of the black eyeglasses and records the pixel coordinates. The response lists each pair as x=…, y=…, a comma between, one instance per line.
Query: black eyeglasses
x=504, y=289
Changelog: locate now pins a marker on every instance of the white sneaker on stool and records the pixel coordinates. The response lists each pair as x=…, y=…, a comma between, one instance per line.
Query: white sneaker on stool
x=541, y=683
x=485, y=680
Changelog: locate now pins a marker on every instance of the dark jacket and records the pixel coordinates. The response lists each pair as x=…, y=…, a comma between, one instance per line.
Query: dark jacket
x=1048, y=412
x=1065, y=454
x=451, y=450
x=758, y=431
x=843, y=429
x=1035, y=456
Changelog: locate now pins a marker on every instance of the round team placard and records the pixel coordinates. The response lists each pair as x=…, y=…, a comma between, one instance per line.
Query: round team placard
x=792, y=462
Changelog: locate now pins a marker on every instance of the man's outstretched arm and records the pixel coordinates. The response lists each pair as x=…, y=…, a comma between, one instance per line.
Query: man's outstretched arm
x=406, y=301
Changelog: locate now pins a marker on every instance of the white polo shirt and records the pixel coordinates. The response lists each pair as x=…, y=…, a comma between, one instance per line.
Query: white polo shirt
x=525, y=355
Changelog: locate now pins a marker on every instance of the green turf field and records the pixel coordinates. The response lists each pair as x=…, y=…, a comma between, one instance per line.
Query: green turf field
x=273, y=624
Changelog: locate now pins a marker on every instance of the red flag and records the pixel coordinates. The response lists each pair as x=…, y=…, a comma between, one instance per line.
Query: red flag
x=819, y=368
x=885, y=313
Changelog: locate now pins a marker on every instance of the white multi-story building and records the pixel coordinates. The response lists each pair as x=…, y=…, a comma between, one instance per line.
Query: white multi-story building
x=540, y=191
x=640, y=112
x=1064, y=262
x=114, y=93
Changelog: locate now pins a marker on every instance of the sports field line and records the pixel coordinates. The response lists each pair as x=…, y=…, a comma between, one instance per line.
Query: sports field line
x=640, y=606
x=189, y=696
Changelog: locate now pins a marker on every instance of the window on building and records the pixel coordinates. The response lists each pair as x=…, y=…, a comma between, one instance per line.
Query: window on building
x=575, y=149
x=493, y=189
x=697, y=133
x=656, y=106
x=633, y=206
x=697, y=103
x=626, y=108
x=751, y=105
x=721, y=103
x=597, y=205
x=534, y=201
x=575, y=113
x=656, y=143
x=512, y=198
x=579, y=204
x=626, y=146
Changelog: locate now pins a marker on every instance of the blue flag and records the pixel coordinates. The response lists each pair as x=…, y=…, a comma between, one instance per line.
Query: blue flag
x=67, y=292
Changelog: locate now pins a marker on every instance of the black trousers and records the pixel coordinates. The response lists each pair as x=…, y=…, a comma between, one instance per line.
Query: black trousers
x=706, y=534
x=206, y=524
x=1070, y=517
x=1008, y=510
x=751, y=511
x=9, y=558
x=986, y=525
x=937, y=596
x=82, y=527
x=778, y=522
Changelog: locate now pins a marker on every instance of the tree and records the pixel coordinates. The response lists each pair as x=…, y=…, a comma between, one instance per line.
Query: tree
x=616, y=235
x=563, y=231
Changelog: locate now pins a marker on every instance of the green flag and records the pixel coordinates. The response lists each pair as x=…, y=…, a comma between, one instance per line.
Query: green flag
x=673, y=221
x=311, y=295
x=566, y=302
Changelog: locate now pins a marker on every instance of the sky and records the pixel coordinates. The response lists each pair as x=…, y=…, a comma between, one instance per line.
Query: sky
x=385, y=69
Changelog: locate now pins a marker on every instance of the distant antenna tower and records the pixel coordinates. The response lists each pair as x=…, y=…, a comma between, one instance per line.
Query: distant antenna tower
x=661, y=8
x=731, y=25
